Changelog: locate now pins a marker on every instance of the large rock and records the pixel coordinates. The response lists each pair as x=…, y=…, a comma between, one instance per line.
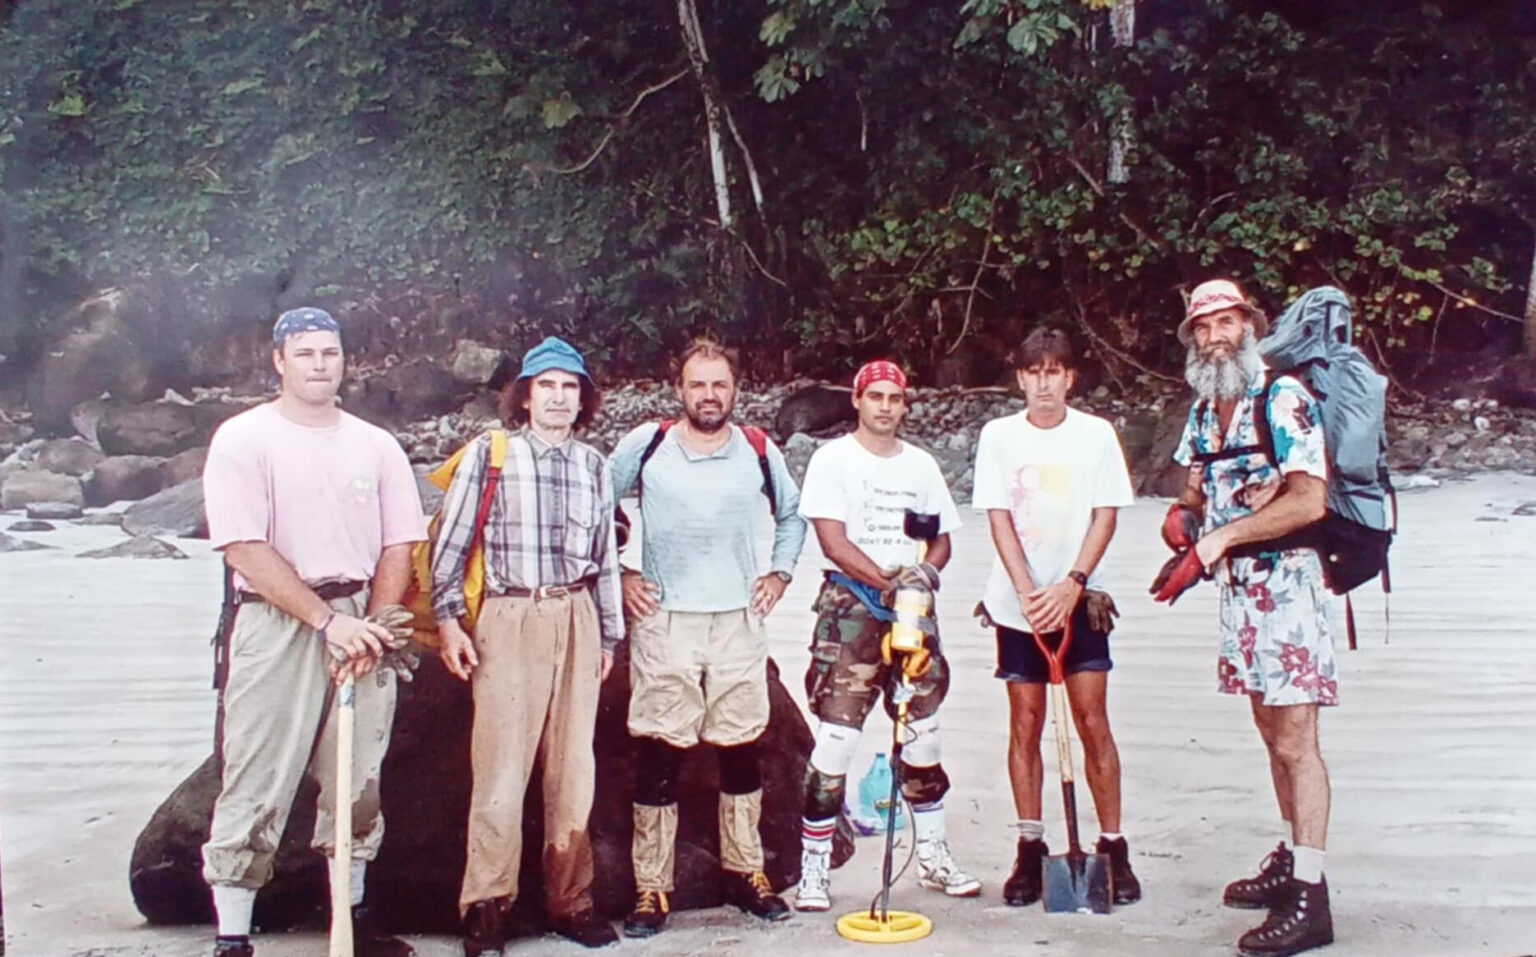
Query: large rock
x=415, y=882
x=404, y=393
x=474, y=363
x=33, y=486
x=177, y=511
x=186, y=466
x=140, y=546
x=125, y=478
x=85, y=418
x=815, y=409
x=68, y=457
x=160, y=428
x=53, y=511
x=99, y=354
x=1157, y=473
x=32, y=525
x=12, y=434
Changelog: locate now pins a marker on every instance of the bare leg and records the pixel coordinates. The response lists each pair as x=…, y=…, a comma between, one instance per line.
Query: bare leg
x=1263, y=720
x=1294, y=747
x=1101, y=759
x=1026, y=718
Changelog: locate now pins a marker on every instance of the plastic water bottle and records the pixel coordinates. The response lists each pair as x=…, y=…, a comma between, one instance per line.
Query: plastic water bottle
x=875, y=799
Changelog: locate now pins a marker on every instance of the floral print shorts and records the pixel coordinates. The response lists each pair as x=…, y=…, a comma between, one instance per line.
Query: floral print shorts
x=1277, y=635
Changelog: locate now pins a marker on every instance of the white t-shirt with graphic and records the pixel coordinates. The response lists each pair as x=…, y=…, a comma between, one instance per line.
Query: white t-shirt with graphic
x=870, y=494
x=1049, y=481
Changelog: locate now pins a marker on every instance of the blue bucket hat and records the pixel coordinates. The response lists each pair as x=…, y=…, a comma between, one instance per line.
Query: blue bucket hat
x=553, y=353
x=299, y=321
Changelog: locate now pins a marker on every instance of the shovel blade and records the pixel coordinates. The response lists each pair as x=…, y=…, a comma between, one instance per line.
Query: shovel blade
x=1078, y=884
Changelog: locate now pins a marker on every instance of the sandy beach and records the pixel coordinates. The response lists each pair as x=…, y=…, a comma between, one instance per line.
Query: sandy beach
x=105, y=706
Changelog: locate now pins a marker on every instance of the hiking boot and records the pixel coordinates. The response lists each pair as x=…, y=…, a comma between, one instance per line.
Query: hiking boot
x=753, y=894
x=937, y=870
x=1024, y=885
x=1299, y=919
x=585, y=928
x=1127, y=887
x=483, y=934
x=1252, y=893
x=649, y=915
x=815, y=890
x=369, y=941
x=233, y=947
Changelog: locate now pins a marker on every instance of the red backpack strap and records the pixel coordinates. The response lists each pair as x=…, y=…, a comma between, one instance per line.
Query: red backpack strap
x=492, y=481
x=758, y=439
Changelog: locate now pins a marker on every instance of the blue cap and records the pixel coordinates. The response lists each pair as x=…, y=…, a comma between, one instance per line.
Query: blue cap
x=553, y=353
x=304, y=319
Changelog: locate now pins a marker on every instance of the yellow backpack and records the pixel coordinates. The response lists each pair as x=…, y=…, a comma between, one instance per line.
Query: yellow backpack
x=418, y=597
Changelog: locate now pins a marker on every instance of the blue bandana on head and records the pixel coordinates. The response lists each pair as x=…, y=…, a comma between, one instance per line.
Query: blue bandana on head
x=304, y=319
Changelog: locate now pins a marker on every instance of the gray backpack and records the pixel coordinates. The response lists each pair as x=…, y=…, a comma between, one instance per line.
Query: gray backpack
x=1312, y=342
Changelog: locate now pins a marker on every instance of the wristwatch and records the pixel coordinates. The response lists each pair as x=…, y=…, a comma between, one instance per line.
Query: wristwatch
x=785, y=577
x=1078, y=577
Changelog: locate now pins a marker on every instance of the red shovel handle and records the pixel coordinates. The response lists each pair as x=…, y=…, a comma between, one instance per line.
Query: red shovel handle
x=1054, y=660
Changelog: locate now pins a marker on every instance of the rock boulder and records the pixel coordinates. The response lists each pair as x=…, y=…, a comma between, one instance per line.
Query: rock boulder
x=177, y=511
x=37, y=485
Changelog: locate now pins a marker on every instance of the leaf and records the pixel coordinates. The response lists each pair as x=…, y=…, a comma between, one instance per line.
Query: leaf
x=1024, y=36
x=777, y=28
x=488, y=63
x=560, y=110
x=242, y=86
x=305, y=40
x=70, y=104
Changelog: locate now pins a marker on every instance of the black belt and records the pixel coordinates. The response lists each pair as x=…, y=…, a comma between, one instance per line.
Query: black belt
x=544, y=591
x=328, y=591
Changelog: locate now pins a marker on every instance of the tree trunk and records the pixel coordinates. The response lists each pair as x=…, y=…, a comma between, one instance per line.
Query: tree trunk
x=693, y=39
x=1530, y=308
x=1122, y=24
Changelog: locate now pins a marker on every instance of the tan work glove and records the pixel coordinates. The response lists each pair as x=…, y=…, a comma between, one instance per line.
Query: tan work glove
x=397, y=656
x=1101, y=611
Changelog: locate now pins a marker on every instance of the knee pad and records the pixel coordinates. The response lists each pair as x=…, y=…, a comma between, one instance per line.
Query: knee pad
x=740, y=772
x=835, y=744
x=823, y=794
x=924, y=784
x=658, y=765
x=922, y=742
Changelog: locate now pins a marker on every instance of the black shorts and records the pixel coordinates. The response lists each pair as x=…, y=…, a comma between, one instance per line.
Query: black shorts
x=1019, y=660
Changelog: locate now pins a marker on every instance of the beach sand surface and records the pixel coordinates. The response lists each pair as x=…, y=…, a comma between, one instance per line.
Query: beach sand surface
x=105, y=706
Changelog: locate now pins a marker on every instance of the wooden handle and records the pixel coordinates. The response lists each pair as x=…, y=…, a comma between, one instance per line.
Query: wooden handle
x=341, y=861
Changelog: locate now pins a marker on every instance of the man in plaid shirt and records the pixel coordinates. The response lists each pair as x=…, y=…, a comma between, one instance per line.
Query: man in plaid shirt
x=542, y=645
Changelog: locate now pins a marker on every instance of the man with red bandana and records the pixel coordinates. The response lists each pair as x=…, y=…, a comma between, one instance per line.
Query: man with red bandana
x=856, y=493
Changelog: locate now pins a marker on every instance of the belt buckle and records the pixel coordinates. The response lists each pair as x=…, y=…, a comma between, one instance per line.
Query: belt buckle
x=550, y=591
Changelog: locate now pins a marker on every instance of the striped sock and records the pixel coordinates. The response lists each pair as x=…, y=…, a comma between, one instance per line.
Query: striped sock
x=817, y=835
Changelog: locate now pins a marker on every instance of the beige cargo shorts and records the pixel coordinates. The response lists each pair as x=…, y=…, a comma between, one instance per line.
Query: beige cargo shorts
x=699, y=676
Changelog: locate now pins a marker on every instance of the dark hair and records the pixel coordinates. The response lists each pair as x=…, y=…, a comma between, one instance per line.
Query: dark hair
x=1046, y=344
x=515, y=394
x=705, y=348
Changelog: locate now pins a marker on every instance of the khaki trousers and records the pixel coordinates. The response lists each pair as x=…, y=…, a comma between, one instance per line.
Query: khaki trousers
x=276, y=701
x=535, y=693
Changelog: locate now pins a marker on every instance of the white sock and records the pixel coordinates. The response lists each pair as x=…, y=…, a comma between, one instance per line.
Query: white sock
x=816, y=836
x=1110, y=835
x=359, y=870
x=1307, y=864
x=1031, y=830
x=928, y=821
x=233, y=906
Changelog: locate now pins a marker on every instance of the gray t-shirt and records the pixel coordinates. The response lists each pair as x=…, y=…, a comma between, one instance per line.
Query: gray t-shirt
x=699, y=517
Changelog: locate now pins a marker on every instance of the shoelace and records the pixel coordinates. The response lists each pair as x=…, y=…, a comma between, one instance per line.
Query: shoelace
x=759, y=882
x=649, y=903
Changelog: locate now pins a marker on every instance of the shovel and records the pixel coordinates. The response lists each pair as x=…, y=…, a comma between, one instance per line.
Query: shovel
x=1075, y=882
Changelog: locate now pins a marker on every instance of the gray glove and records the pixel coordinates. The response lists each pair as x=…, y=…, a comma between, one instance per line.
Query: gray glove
x=921, y=575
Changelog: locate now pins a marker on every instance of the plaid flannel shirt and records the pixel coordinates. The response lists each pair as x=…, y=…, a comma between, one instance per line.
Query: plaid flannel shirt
x=551, y=523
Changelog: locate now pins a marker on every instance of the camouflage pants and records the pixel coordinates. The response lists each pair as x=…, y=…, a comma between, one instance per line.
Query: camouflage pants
x=846, y=674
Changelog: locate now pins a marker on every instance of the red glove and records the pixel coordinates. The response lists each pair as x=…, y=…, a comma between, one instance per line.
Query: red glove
x=1181, y=526
x=1177, y=576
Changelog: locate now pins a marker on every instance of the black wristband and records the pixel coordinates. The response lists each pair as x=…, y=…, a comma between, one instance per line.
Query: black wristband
x=1079, y=577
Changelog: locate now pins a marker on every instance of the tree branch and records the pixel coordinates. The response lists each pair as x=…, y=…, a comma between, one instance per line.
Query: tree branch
x=1098, y=189
x=608, y=134
x=1466, y=301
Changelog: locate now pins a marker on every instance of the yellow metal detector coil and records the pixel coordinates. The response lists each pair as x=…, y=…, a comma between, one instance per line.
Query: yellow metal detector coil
x=911, y=606
x=898, y=927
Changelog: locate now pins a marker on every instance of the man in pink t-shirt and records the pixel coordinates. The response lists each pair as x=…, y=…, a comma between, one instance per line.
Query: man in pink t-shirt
x=315, y=511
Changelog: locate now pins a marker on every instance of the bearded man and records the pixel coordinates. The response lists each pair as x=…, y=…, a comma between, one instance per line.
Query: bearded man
x=698, y=660
x=1276, y=628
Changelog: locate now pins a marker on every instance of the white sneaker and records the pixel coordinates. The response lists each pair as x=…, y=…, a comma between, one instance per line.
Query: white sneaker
x=815, y=890
x=937, y=870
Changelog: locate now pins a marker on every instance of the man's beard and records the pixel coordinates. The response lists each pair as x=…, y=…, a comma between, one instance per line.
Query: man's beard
x=1227, y=377
x=720, y=421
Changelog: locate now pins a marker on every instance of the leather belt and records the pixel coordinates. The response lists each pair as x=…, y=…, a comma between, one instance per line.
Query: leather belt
x=328, y=591
x=544, y=591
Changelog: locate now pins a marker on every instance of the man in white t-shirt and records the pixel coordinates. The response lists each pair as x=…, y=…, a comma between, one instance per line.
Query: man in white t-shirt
x=856, y=494
x=1051, y=479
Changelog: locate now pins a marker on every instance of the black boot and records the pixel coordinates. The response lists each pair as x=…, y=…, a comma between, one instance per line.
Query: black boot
x=483, y=933
x=1024, y=884
x=369, y=941
x=233, y=946
x=649, y=915
x=753, y=894
x=585, y=928
x=1299, y=920
x=1127, y=887
x=1252, y=893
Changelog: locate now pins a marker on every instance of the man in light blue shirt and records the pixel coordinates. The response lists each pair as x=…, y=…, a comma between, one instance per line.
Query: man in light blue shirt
x=698, y=651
